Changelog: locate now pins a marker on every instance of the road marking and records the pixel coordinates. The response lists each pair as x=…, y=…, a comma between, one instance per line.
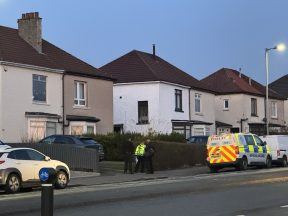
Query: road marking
x=284, y=206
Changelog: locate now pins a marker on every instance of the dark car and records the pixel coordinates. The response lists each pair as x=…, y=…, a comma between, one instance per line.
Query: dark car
x=198, y=140
x=75, y=141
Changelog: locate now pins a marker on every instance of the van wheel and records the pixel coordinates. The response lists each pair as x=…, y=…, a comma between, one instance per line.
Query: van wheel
x=214, y=169
x=243, y=164
x=268, y=162
x=13, y=184
x=284, y=161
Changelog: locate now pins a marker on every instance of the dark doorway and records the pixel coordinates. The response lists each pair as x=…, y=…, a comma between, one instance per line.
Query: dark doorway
x=235, y=130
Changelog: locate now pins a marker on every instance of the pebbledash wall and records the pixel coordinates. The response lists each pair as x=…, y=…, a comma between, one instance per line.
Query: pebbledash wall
x=161, y=106
x=16, y=98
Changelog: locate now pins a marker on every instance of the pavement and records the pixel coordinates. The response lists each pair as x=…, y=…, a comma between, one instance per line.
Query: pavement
x=191, y=191
x=116, y=175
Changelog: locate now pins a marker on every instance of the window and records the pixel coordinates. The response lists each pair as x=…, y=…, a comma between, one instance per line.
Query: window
x=36, y=156
x=50, y=128
x=20, y=155
x=49, y=140
x=142, y=112
x=37, y=130
x=39, y=88
x=253, y=107
x=273, y=109
x=259, y=142
x=226, y=104
x=80, y=94
x=178, y=100
x=249, y=139
x=63, y=140
x=197, y=103
x=77, y=130
x=90, y=129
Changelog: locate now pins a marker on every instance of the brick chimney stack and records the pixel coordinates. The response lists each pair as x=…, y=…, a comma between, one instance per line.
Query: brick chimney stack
x=30, y=29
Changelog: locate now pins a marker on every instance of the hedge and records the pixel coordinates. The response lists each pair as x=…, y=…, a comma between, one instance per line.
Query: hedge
x=168, y=155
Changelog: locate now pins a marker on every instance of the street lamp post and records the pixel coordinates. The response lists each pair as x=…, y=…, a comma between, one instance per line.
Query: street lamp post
x=281, y=48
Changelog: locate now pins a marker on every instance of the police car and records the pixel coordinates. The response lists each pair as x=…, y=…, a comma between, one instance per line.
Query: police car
x=237, y=150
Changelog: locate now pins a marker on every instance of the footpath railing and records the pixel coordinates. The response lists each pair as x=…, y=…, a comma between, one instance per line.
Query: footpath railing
x=82, y=159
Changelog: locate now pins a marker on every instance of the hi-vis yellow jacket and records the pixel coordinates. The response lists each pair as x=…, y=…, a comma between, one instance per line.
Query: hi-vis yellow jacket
x=228, y=148
x=140, y=149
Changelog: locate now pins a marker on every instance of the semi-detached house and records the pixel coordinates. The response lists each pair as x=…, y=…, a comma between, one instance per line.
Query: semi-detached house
x=45, y=90
x=152, y=95
x=240, y=103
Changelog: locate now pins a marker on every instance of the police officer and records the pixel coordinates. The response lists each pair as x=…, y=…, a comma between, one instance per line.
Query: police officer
x=139, y=153
x=128, y=153
x=149, y=153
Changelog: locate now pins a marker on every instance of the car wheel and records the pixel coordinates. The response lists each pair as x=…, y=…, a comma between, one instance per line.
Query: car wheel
x=61, y=180
x=243, y=164
x=13, y=184
x=284, y=161
x=268, y=162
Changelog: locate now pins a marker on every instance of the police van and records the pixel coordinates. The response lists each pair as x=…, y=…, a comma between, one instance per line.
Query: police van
x=237, y=150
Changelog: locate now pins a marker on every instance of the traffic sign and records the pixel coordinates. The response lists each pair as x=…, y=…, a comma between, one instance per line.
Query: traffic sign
x=44, y=174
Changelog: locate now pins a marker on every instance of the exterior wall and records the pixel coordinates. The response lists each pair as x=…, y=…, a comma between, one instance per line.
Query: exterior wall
x=207, y=113
x=16, y=99
x=99, y=101
x=286, y=112
x=280, y=112
x=161, y=106
x=125, y=101
x=240, y=108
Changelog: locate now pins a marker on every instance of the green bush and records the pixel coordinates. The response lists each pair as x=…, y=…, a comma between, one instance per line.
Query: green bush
x=113, y=142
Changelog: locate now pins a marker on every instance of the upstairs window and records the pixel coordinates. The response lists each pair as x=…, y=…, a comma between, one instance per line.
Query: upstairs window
x=178, y=100
x=273, y=109
x=39, y=88
x=226, y=104
x=142, y=112
x=253, y=107
x=80, y=94
x=197, y=103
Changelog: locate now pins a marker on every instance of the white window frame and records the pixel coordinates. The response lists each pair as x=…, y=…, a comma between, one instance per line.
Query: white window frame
x=274, y=106
x=77, y=98
x=198, y=97
x=224, y=107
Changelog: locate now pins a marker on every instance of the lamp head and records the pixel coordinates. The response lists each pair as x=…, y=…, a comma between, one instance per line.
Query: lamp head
x=281, y=47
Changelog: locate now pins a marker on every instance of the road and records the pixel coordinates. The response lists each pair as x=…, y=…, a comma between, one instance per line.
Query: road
x=253, y=192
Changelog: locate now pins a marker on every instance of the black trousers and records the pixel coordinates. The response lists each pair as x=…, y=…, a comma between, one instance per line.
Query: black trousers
x=149, y=165
x=140, y=163
x=128, y=161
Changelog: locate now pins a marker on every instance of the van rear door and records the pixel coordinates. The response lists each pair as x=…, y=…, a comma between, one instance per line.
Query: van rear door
x=222, y=149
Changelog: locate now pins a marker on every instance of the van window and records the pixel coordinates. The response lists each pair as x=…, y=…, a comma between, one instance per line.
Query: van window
x=242, y=140
x=249, y=139
x=258, y=141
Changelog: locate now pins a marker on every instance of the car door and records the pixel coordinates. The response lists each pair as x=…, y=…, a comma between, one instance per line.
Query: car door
x=253, y=148
x=22, y=162
x=38, y=161
x=262, y=150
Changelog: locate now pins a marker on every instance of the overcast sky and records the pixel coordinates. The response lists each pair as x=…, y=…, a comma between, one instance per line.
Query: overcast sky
x=198, y=36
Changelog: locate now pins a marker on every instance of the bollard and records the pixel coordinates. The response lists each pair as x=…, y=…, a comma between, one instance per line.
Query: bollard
x=47, y=177
x=47, y=200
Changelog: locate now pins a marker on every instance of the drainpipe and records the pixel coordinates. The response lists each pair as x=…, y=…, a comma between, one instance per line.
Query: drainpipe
x=189, y=101
x=63, y=106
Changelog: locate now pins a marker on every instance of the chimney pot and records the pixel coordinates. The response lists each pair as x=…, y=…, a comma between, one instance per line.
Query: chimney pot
x=30, y=29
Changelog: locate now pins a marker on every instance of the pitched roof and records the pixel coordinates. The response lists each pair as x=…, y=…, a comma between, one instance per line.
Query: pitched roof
x=229, y=81
x=280, y=86
x=14, y=49
x=137, y=66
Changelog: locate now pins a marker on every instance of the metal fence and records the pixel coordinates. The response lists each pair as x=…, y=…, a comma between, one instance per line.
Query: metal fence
x=76, y=158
